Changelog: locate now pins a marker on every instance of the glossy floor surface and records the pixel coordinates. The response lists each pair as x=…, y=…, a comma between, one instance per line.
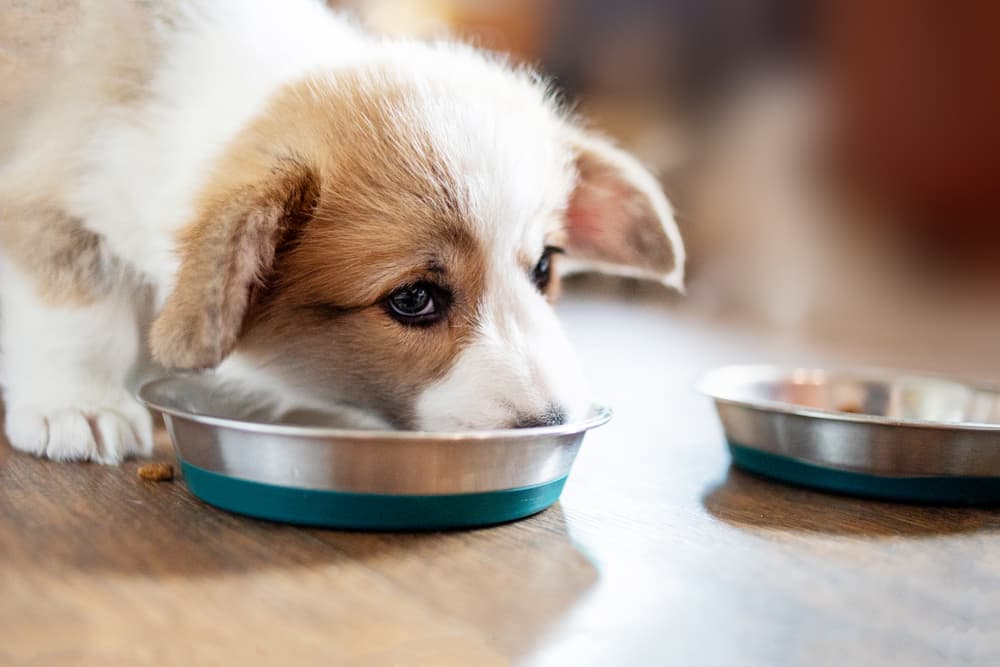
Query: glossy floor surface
x=658, y=553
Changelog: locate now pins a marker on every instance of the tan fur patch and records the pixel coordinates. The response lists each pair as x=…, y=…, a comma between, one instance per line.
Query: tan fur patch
x=68, y=264
x=388, y=212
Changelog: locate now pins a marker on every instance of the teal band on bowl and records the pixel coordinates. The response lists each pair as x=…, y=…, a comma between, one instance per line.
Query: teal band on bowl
x=928, y=490
x=367, y=511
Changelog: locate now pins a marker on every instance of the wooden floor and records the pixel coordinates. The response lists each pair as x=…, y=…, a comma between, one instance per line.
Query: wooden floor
x=658, y=553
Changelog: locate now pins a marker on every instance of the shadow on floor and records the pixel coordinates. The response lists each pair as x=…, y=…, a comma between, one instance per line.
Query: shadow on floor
x=750, y=501
x=513, y=582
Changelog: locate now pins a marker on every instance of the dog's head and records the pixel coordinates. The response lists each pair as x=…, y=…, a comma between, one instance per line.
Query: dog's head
x=391, y=238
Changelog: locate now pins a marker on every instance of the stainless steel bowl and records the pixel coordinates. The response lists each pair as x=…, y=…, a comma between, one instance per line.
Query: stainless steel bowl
x=361, y=478
x=875, y=432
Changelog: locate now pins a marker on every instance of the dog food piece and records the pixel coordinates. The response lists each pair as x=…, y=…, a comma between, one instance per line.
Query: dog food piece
x=851, y=408
x=156, y=472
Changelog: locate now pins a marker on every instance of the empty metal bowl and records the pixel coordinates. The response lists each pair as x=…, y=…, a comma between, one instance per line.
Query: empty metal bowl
x=873, y=432
x=346, y=478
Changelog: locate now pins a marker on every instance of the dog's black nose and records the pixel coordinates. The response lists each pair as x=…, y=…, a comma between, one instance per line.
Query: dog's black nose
x=554, y=416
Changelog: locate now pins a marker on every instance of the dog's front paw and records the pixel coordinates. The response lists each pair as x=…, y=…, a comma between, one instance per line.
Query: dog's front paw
x=106, y=433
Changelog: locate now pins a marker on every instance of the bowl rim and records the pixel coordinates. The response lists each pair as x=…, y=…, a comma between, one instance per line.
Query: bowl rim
x=600, y=414
x=714, y=385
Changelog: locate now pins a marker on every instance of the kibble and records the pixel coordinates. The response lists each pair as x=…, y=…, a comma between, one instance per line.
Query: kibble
x=156, y=472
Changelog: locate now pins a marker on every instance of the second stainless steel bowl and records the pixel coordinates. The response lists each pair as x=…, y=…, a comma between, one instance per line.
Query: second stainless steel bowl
x=874, y=432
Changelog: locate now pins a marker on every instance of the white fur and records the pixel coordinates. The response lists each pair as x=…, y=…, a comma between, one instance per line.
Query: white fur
x=519, y=365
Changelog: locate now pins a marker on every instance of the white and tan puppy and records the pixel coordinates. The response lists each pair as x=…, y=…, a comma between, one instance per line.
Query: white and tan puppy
x=336, y=218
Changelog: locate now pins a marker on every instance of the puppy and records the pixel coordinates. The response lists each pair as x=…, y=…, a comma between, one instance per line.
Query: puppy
x=312, y=211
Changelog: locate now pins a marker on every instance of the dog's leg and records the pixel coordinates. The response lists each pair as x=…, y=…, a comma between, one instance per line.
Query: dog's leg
x=69, y=335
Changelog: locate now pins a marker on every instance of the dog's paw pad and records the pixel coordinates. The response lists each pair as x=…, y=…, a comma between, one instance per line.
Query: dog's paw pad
x=105, y=435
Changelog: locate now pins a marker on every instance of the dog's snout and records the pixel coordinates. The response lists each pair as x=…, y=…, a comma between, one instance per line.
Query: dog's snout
x=554, y=416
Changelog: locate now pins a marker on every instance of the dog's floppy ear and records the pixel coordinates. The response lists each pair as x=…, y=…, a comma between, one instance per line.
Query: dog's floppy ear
x=618, y=220
x=225, y=254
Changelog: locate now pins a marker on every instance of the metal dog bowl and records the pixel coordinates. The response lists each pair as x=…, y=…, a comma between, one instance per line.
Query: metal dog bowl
x=344, y=478
x=860, y=431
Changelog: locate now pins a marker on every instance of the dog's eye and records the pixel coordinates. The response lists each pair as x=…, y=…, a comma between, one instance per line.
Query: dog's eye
x=542, y=273
x=416, y=303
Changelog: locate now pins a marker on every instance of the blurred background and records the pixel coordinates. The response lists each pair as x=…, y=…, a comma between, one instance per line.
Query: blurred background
x=834, y=163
